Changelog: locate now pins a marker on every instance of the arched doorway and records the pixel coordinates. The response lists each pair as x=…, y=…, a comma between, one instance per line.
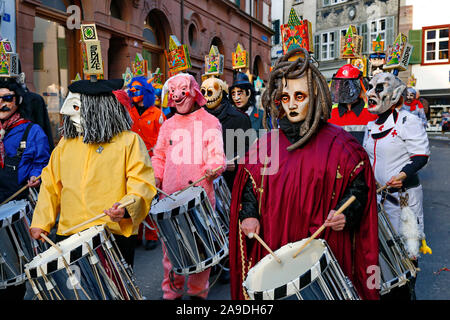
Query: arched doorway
x=258, y=68
x=156, y=33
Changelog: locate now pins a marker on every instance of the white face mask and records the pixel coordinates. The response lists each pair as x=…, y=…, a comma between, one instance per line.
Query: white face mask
x=71, y=108
x=385, y=91
x=295, y=99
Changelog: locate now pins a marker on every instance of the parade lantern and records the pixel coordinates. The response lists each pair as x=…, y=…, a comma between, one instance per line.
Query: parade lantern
x=351, y=44
x=377, y=58
x=9, y=61
x=91, y=52
x=127, y=76
x=158, y=79
x=139, y=66
x=398, y=55
x=412, y=81
x=239, y=59
x=177, y=56
x=296, y=33
x=214, y=62
x=258, y=84
x=361, y=64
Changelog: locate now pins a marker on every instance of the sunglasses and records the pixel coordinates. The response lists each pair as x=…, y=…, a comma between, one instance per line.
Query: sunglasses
x=8, y=98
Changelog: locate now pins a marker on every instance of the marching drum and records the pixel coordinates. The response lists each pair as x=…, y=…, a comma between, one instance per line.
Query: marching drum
x=223, y=200
x=190, y=230
x=396, y=267
x=17, y=247
x=87, y=266
x=313, y=275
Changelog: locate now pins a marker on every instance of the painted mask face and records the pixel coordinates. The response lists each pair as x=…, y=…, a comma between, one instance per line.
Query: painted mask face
x=212, y=90
x=71, y=108
x=410, y=96
x=180, y=94
x=136, y=92
x=7, y=103
x=240, y=97
x=385, y=90
x=295, y=99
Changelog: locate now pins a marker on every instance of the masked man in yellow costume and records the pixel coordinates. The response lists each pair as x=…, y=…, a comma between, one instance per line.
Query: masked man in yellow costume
x=98, y=164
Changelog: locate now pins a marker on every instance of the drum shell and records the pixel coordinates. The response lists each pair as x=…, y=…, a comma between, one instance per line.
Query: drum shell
x=192, y=234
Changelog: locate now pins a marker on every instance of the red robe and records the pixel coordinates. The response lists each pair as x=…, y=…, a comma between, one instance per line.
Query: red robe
x=297, y=199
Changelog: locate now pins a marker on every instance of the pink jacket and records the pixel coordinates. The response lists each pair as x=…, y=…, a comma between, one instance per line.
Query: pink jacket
x=187, y=146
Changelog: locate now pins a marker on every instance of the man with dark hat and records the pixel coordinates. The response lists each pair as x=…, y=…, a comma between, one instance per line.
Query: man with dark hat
x=24, y=152
x=98, y=164
x=350, y=109
x=244, y=98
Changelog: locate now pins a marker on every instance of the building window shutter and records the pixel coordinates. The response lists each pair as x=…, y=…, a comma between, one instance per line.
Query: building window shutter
x=317, y=47
x=415, y=39
x=365, y=38
x=276, y=29
x=337, y=37
x=389, y=32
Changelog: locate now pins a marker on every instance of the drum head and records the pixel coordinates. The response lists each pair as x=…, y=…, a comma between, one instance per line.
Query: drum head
x=12, y=211
x=269, y=275
x=182, y=202
x=73, y=248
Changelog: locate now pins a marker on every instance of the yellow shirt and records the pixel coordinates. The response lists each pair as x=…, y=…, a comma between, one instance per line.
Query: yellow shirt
x=81, y=180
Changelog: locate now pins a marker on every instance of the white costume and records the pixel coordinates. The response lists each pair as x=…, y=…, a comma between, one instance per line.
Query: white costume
x=390, y=147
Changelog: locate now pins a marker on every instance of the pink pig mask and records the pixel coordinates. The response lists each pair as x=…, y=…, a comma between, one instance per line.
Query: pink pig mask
x=184, y=91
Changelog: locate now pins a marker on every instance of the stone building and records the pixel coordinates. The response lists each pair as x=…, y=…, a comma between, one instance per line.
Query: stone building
x=50, y=54
x=333, y=17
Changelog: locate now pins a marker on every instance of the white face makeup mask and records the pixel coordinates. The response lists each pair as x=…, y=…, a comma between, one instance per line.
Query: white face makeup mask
x=295, y=99
x=71, y=108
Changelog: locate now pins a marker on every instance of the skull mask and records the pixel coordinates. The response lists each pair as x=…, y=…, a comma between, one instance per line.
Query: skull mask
x=212, y=89
x=385, y=90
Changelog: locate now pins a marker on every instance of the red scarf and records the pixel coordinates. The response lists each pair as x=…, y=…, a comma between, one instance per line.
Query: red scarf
x=12, y=122
x=414, y=104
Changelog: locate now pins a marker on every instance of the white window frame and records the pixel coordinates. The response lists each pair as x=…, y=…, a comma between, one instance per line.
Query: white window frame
x=328, y=48
x=327, y=3
x=373, y=34
x=436, y=50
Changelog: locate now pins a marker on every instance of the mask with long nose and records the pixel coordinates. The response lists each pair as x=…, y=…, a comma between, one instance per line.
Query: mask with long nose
x=183, y=92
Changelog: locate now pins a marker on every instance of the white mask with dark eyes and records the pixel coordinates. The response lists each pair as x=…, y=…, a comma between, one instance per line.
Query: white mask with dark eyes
x=385, y=91
x=71, y=108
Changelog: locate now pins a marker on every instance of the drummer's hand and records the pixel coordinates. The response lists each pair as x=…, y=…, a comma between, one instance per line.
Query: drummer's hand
x=116, y=214
x=210, y=175
x=250, y=225
x=33, y=182
x=158, y=183
x=337, y=223
x=397, y=181
x=36, y=233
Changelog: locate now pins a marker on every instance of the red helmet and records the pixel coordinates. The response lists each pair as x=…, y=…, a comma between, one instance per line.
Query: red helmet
x=347, y=71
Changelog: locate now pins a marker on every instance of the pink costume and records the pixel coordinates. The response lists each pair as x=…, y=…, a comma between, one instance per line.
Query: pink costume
x=188, y=144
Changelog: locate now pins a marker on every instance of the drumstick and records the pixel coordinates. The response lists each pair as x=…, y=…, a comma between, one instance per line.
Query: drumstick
x=251, y=235
x=18, y=192
x=167, y=195
x=382, y=188
x=51, y=242
x=339, y=211
x=127, y=203
x=204, y=177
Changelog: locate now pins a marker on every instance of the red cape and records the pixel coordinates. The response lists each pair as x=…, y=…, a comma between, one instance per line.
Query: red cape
x=297, y=199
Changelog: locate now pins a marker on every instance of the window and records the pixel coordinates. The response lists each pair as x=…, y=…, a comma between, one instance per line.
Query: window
x=436, y=43
x=332, y=2
x=327, y=46
x=192, y=33
x=276, y=29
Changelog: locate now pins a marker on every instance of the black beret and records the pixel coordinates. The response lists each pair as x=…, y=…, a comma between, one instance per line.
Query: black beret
x=96, y=87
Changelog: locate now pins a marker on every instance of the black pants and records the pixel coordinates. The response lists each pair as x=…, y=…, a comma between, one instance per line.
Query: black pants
x=125, y=245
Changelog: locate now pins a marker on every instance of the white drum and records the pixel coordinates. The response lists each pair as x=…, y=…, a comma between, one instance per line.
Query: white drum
x=17, y=247
x=396, y=267
x=89, y=267
x=190, y=230
x=313, y=275
x=223, y=202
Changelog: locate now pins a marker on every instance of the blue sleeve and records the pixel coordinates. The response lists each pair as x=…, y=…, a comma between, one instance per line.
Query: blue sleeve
x=36, y=154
